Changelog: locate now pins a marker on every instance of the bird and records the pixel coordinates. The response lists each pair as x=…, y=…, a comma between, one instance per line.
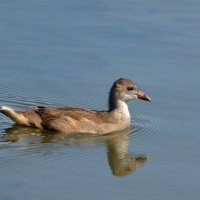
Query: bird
x=70, y=120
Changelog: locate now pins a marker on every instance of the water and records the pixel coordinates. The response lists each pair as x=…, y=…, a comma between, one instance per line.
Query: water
x=62, y=53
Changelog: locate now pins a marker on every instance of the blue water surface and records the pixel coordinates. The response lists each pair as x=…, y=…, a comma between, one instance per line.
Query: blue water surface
x=68, y=53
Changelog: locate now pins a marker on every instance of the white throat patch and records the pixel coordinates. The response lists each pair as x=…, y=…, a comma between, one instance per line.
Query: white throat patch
x=123, y=107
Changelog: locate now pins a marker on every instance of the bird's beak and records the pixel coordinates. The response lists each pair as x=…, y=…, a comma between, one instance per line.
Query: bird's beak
x=142, y=96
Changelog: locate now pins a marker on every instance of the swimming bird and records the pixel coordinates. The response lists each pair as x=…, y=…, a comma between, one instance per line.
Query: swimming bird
x=77, y=120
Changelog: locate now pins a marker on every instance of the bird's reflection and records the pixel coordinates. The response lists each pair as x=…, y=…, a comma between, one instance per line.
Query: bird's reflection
x=121, y=162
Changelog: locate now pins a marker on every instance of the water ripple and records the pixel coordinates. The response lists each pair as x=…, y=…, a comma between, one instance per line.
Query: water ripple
x=144, y=128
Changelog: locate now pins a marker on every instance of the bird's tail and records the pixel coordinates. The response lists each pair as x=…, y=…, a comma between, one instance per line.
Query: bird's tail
x=14, y=115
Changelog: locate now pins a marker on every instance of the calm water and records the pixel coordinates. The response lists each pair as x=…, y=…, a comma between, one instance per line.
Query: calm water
x=62, y=53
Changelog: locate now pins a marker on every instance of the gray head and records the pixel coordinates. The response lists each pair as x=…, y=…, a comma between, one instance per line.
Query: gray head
x=124, y=89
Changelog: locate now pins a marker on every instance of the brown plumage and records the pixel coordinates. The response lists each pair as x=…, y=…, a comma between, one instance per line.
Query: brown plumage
x=75, y=120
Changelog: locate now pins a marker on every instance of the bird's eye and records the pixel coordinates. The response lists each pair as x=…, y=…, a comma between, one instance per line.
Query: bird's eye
x=129, y=88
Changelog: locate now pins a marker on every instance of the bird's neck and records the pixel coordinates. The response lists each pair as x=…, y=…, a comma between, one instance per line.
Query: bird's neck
x=122, y=109
x=119, y=108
